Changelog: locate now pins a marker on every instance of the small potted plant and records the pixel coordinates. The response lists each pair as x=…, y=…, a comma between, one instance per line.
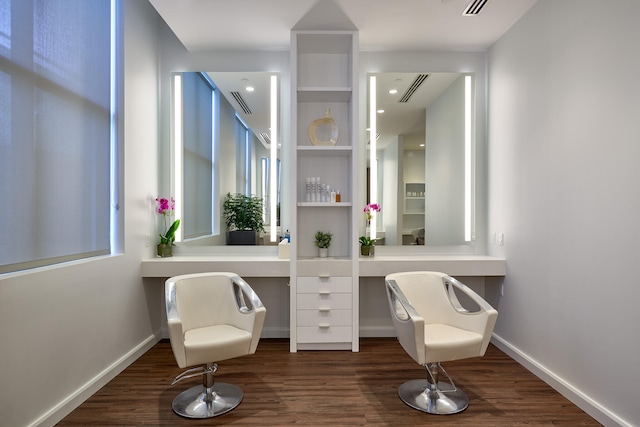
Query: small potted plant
x=166, y=208
x=367, y=246
x=243, y=218
x=323, y=241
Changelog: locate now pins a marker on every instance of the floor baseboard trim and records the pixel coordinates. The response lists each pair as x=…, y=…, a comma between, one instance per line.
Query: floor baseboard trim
x=64, y=408
x=377, y=332
x=577, y=397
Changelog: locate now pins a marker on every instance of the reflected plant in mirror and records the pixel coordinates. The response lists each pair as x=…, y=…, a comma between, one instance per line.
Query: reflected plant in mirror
x=424, y=157
x=243, y=218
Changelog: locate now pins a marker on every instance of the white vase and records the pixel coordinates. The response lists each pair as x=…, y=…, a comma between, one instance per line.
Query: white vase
x=324, y=252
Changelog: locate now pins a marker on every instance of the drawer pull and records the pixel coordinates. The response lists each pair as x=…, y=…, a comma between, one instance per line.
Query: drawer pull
x=323, y=326
x=324, y=276
x=324, y=293
x=324, y=310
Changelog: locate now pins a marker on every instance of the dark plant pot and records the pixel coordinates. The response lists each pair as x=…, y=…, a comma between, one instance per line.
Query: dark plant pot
x=242, y=237
x=165, y=250
x=367, y=250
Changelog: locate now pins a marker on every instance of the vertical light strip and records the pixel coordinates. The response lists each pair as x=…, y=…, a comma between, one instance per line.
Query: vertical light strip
x=467, y=158
x=273, y=169
x=177, y=150
x=115, y=193
x=373, y=165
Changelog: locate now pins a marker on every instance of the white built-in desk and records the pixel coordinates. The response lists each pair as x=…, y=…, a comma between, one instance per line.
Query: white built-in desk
x=272, y=266
x=244, y=266
x=269, y=276
x=453, y=265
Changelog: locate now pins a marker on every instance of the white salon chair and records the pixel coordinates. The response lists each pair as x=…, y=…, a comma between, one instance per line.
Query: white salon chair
x=434, y=327
x=211, y=317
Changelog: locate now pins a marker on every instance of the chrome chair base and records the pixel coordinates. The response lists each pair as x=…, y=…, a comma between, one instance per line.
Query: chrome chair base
x=443, y=401
x=200, y=402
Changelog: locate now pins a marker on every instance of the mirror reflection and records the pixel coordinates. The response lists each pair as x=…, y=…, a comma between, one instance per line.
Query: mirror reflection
x=225, y=141
x=423, y=172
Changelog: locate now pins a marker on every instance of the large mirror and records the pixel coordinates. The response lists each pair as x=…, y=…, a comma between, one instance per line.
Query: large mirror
x=420, y=165
x=226, y=140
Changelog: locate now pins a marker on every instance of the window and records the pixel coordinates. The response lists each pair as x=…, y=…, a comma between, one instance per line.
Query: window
x=56, y=127
x=243, y=156
x=198, y=113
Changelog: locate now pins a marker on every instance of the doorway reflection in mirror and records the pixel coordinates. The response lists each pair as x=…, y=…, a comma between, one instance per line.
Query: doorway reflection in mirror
x=423, y=147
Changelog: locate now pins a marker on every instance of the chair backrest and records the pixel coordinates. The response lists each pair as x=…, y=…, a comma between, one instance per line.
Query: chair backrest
x=205, y=301
x=427, y=294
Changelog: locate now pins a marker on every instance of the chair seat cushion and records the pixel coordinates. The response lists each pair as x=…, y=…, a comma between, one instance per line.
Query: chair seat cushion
x=444, y=343
x=215, y=343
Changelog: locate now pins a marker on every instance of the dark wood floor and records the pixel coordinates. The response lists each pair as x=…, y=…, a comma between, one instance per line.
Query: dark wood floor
x=330, y=388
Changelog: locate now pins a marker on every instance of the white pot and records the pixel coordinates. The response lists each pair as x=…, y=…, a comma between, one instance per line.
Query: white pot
x=324, y=252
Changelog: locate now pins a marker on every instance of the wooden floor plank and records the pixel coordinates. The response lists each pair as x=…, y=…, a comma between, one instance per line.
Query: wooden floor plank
x=330, y=388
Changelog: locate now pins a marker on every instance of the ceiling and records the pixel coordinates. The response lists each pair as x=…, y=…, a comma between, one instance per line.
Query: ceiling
x=382, y=25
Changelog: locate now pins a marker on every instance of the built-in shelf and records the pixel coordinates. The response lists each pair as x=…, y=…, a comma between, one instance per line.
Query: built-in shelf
x=324, y=204
x=329, y=150
x=325, y=84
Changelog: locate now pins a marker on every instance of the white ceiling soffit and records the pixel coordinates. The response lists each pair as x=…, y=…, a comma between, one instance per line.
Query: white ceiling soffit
x=383, y=25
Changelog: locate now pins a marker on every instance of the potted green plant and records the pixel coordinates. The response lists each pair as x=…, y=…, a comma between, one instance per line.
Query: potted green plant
x=166, y=208
x=243, y=218
x=323, y=241
x=367, y=246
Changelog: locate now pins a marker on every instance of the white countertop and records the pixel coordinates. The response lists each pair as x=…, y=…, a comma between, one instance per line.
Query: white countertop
x=272, y=266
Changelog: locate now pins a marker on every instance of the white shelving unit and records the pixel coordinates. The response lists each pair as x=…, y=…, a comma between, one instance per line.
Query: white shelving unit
x=414, y=198
x=324, y=291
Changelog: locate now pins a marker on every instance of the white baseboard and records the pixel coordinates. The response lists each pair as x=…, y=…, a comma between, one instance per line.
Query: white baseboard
x=377, y=332
x=275, y=332
x=577, y=397
x=64, y=408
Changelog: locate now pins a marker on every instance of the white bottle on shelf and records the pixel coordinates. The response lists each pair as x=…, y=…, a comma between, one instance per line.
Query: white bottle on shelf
x=313, y=189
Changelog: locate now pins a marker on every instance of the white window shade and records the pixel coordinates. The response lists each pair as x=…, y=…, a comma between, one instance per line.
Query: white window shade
x=55, y=131
x=197, y=116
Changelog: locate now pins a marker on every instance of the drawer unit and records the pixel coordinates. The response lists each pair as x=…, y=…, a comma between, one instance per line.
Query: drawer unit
x=324, y=317
x=322, y=285
x=326, y=301
x=324, y=310
x=322, y=334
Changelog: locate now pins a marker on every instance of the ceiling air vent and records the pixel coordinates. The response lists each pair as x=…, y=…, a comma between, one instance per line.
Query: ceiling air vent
x=420, y=78
x=474, y=7
x=240, y=100
x=265, y=137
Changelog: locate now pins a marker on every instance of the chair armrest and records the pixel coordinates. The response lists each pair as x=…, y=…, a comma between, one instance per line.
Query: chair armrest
x=485, y=310
x=243, y=291
x=451, y=283
x=408, y=323
x=248, y=303
x=174, y=324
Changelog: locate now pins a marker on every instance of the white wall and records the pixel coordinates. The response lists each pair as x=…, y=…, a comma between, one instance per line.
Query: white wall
x=445, y=146
x=64, y=328
x=563, y=170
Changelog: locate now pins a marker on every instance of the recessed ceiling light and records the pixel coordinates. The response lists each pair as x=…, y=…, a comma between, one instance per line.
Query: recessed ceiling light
x=393, y=91
x=248, y=86
x=380, y=111
x=421, y=145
